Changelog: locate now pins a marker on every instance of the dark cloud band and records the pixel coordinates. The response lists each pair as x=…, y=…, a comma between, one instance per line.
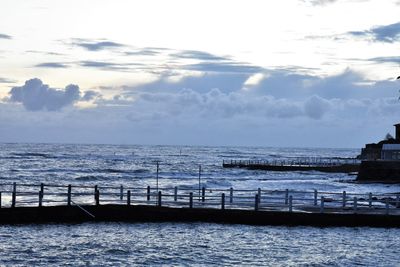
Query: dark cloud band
x=5, y=36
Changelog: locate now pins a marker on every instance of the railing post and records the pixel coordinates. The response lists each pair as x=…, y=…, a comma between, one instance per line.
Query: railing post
x=199, y=181
x=387, y=206
x=344, y=199
x=355, y=204
x=397, y=201
x=40, y=198
x=370, y=200
x=121, y=192
x=259, y=195
x=290, y=203
x=286, y=196
x=159, y=199
x=256, y=203
x=203, y=194
x=175, y=193
x=14, y=195
x=128, y=198
x=231, y=195
x=315, y=197
x=0, y=200
x=191, y=200
x=41, y=194
x=97, y=197
x=322, y=205
x=69, y=195
x=148, y=193
x=223, y=201
x=95, y=193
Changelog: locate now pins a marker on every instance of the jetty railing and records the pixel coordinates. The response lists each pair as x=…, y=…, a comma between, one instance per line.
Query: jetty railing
x=306, y=161
x=38, y=195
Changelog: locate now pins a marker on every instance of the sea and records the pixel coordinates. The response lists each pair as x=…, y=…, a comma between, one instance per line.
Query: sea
x=185, y=244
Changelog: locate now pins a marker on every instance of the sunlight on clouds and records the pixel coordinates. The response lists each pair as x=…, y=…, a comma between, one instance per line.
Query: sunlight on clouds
x=254, y=80
x=178, y=76
x=85, y=105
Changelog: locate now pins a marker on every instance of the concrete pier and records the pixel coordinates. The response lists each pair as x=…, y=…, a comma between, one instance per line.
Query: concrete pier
x=141, y=213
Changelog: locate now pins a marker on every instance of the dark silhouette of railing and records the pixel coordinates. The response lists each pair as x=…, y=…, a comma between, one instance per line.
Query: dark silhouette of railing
x=22, y=195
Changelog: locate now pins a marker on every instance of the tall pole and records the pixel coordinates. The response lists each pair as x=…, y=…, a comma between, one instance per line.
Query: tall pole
x=157, y=177
x=199, y=181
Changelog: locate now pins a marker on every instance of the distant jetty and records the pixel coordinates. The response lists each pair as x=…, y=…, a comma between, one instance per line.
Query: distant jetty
x=299, y=164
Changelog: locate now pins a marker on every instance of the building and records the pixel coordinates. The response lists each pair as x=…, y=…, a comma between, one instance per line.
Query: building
x=381, y=162
x=390, y=152
x=388, y=149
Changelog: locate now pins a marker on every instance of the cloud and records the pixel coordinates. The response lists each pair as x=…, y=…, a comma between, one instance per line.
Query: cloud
x=5, y=36
x=36, y=96
x=319, y=2
x=393, y=59
x=143, y=52
x=320, y=111
x=53, y=65
x=96, y=45
x=254, y=80
x=227, y=67
x=200, y=55
x=98, y=64
x=225, y=82
x=158, y=60
x=5, y=80
x=90, y=95
x=315, y=107
x=211, y=105
x=111, y=66
x=44, y=53
x=386, y=33
x=345, y=85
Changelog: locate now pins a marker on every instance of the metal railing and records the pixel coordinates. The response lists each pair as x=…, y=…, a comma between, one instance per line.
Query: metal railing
x=38, y=195
x=309, y=161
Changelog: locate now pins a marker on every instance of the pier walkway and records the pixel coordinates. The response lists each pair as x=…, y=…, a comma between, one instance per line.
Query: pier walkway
x=345, y=165
x=31, y=203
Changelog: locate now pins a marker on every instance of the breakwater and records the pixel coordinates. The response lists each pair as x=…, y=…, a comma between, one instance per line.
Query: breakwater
x=42, y=203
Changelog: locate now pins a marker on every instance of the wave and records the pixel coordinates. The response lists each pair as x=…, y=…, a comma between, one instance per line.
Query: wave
x=32, y=154
x=218, y=183
x=88, y=178
x=140, y=171
x=111, y=170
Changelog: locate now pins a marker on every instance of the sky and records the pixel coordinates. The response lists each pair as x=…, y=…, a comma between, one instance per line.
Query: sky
x=287, y=73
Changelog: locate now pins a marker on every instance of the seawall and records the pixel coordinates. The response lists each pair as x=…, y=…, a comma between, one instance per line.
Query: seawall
x=139, y=213
x=379, y=171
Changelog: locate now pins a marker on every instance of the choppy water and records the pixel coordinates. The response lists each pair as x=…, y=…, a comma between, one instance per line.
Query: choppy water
x=116, y=244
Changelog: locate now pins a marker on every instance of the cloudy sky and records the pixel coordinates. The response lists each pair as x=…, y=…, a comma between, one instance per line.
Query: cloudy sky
x=304, y=73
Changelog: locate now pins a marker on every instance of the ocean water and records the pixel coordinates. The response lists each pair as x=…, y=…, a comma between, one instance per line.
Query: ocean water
x=196, y=244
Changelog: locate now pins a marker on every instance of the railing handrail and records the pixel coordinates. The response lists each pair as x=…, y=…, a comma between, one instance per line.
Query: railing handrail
x=194, y=189
x=259, y=199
